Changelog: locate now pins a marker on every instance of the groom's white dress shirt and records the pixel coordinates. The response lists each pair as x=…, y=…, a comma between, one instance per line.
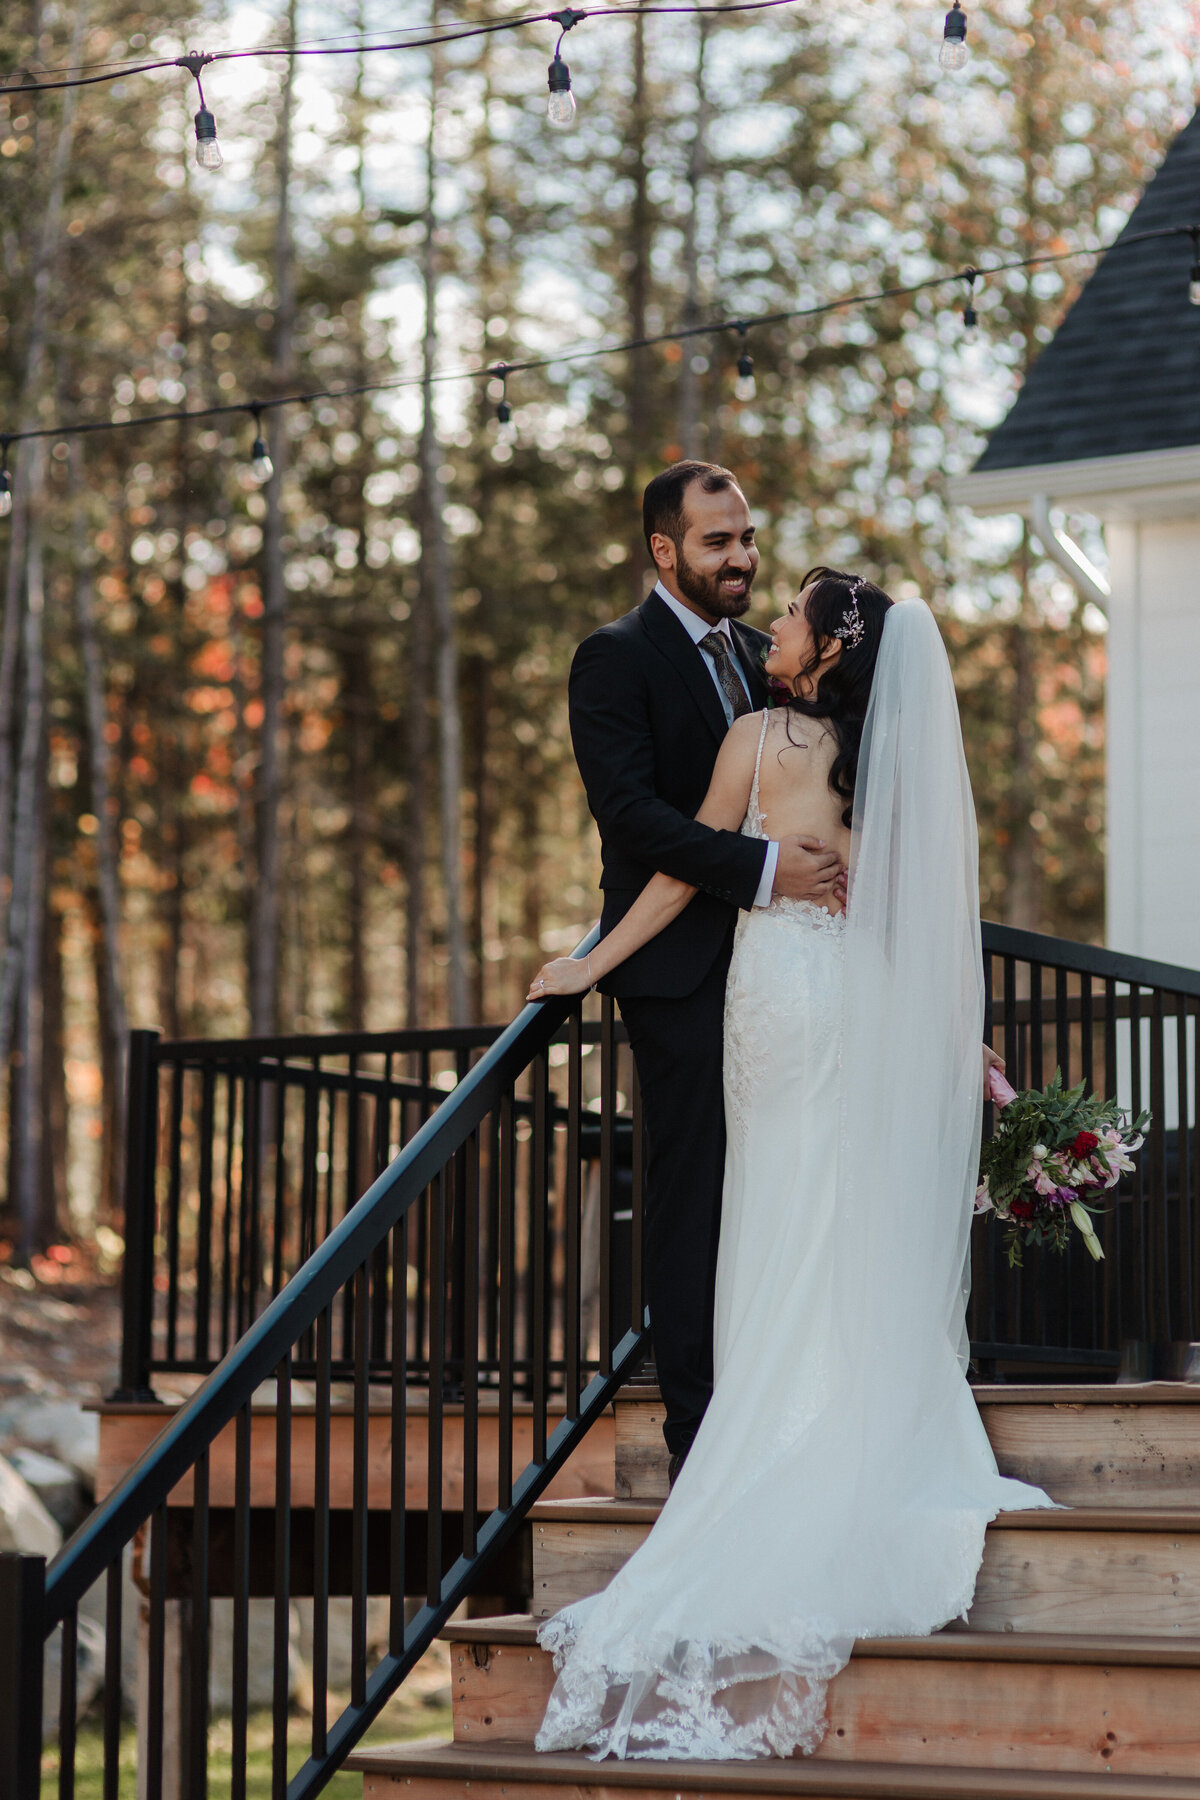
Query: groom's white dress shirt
x=698, y=628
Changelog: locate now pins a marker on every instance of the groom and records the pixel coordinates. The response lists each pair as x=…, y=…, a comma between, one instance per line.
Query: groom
x=651, y=698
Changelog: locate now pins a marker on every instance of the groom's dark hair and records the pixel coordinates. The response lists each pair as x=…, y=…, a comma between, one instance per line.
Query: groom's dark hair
x=664, y=503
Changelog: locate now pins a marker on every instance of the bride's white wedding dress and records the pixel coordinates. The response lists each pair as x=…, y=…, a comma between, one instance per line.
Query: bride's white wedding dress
x=841, y=1481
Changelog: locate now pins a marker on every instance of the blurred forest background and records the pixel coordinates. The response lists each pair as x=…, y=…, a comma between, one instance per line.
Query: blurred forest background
x=295, y=756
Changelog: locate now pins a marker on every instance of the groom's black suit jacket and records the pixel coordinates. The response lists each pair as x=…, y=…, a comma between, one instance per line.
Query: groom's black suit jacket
x=646, y=724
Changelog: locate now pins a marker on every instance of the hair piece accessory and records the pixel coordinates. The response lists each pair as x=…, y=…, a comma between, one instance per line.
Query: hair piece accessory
x=852, y=630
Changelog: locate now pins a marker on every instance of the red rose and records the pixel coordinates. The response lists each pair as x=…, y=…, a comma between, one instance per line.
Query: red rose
x=1022, y=1209
x=1084, y=1144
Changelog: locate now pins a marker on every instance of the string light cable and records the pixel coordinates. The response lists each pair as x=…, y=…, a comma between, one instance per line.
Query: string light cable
x=88, y=75
x=260, y=458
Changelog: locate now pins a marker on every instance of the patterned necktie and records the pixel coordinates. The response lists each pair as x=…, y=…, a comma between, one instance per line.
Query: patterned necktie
x=717, y=645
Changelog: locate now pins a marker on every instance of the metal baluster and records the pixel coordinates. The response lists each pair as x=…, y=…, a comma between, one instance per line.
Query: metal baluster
x=507, y=1159
x=279, y=1196
x=1116, y=1286
x=283, y=1573
x=437, y=1371
x=1062, y=1025
x=470, y=1374
x=538, y=1227
x=573, y=1220
x=174, y=1191
x=398, y=1585
x=231, y=1109
x=1087, y=1026
x=249, y=1256
x=113, y=1598
x=492, y=1257
x=68, y=1703
x=322, y=1424
x=151, y=1783
x=241, y=1603
x=194, y=1749
x=1140, y=1200
x=1037, y=1077
x=608, y=1167
x=360, y=1287
x=1162, y=1313
x=1011, y=1042
x=204, y=1229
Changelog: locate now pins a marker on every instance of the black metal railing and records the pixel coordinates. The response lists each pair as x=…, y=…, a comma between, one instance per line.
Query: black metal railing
x=1127, y=1027
x=367, y=1486
x=245, y=1154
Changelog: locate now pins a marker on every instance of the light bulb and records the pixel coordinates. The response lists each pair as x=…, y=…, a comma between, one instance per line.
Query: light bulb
x=208, y=151
x=744, y=387
x=1194, y=285
x=504, y=412
x=970, y=320
x=953, y=52
x=5, y=494
x=560, y=108
x=260, y=461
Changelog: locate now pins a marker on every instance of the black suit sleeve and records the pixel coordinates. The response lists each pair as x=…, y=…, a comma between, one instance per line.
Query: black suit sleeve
x=612, y=733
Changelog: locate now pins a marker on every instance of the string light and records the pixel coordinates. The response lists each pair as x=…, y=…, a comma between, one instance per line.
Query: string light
x=970, y=316
x=953, y=52
x=560, y=107
x=208, y=151
x=1194, y=278
x=503, y=409
x=261, y=465
x=5, y=479
x=590, y=353
x=745, y=387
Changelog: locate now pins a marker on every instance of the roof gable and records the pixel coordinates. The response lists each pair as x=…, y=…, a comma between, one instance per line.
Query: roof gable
x=1122, y=373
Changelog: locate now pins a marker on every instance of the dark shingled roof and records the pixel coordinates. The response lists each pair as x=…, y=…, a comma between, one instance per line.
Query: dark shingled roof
x=1122, y=373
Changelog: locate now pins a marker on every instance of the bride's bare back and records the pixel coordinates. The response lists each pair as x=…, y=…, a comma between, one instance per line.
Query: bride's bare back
x=794, y=795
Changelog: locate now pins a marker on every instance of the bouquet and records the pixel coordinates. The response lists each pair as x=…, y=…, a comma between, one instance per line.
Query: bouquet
x=1054, y=1149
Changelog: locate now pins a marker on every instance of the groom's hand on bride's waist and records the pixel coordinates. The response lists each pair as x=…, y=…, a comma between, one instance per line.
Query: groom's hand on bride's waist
x=808, y=870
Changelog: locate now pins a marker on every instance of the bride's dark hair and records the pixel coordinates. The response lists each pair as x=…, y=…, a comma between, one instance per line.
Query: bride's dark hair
x=844, y=689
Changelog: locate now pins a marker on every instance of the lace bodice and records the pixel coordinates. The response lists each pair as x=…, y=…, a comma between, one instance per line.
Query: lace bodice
x=818, y=918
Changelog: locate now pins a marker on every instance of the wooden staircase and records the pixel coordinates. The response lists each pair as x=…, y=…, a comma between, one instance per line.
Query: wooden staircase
x=1076, y=1674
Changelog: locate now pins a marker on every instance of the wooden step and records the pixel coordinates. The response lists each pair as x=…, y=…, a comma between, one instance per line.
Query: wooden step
x=127, y=1429
x=514, y=1772
x=964, y=1699
x=1135, y=1571
x=1086, y=1444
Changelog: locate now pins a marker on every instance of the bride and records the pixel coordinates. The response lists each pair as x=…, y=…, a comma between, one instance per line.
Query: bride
x=841, y=1481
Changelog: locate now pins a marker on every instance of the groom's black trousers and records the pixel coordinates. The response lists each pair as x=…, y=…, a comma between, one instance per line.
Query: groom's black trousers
x=677, y=1046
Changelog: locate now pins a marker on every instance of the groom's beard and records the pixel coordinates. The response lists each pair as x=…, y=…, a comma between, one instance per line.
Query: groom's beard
x=705, y=591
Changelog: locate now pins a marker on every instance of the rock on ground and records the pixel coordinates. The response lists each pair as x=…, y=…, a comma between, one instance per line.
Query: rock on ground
x=24, y=1522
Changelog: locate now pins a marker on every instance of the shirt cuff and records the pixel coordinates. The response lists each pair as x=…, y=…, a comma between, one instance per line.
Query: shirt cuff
x=767, y=882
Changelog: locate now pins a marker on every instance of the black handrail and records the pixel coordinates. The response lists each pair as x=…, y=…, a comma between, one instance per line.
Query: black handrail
x=361, y=1265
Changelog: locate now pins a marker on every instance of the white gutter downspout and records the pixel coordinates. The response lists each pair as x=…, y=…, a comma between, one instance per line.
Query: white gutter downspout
x=1083, y=574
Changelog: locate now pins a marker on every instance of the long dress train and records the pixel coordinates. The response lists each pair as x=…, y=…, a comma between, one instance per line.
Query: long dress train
x=841, y=1481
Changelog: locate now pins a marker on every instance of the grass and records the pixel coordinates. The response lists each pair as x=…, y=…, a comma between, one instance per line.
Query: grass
x=420, y=1710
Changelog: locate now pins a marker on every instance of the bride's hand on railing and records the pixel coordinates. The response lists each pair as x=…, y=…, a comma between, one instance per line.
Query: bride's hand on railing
x=565, y=975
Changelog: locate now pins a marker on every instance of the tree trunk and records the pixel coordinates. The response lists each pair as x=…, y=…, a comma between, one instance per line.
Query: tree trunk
x=638, y=409
x=689, y=377
x=264, y=909
x=111, y=1000
x=21, y=998
x=435, y=595
x=56, y=1219
x=26, y=410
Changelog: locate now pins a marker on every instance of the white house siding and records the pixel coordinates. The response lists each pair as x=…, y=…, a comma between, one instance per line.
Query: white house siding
x=1153, y=748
